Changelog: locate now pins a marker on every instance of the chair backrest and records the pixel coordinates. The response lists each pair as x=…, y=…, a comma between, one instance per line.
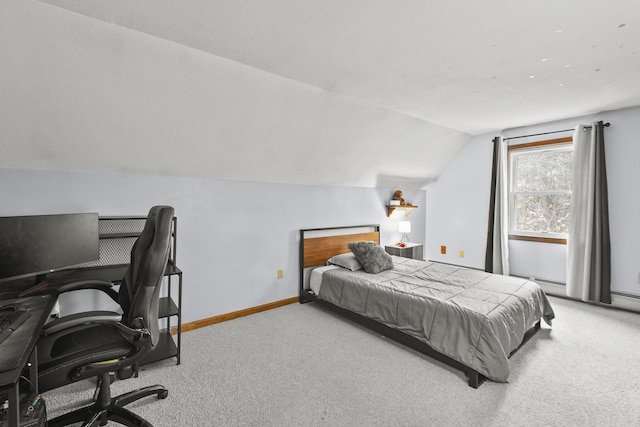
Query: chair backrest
x=140, y=290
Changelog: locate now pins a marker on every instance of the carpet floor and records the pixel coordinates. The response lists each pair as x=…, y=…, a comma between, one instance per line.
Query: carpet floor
x=300, y=365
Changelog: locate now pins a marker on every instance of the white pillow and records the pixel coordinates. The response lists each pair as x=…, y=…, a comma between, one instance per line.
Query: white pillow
x=347, y=260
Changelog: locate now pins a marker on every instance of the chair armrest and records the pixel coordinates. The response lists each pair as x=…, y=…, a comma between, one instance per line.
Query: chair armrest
x=46, y=288
x=88, y=317
x=98, y=285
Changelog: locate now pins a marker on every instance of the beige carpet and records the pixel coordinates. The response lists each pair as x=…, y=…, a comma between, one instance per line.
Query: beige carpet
x=302, y=366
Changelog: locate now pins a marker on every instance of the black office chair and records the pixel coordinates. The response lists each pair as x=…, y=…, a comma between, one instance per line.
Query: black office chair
x=98, y=343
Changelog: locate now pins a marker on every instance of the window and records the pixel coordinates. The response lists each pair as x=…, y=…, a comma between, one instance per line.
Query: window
x=540, y=190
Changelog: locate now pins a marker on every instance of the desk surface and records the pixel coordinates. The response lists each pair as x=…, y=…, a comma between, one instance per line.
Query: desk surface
x=16, y=349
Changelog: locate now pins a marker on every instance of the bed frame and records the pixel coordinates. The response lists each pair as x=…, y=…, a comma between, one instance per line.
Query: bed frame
x=315, y=251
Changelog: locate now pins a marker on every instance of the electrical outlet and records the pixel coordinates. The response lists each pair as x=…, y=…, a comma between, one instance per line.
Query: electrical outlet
x=280, y=273
x=443, y=250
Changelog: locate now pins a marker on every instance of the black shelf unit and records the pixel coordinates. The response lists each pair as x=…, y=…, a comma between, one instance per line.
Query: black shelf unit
x=117, y=235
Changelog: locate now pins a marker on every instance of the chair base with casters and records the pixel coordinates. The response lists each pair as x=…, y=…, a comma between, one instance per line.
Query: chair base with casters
x=107, y=408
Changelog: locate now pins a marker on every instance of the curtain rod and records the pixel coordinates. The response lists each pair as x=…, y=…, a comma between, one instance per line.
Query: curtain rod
x=555, y=131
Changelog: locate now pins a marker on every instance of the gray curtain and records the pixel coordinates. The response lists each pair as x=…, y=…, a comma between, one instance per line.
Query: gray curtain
x=589, y=245
x=497, y=250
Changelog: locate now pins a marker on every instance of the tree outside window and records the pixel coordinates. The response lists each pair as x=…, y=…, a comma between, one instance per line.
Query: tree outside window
x=540, y=190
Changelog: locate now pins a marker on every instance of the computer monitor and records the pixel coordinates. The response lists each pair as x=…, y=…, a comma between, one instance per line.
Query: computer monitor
x=39, y=244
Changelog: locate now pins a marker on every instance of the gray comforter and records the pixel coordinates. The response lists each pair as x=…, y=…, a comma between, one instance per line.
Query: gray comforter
x=473, y=317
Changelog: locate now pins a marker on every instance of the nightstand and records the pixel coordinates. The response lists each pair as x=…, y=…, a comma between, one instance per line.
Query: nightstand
x=412, y=250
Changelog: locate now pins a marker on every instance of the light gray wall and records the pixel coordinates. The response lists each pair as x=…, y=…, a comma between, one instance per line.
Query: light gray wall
x=457, y=205
x=233, y=236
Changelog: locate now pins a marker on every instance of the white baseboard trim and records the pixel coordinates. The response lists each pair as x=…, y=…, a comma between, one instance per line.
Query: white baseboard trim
x=625, y=302
x=618, y=301
x=552, y=288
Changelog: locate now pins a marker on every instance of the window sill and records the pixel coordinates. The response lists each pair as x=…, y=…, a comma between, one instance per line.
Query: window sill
x=556, y=240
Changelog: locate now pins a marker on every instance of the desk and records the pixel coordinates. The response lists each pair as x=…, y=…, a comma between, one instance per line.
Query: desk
x=18, y=350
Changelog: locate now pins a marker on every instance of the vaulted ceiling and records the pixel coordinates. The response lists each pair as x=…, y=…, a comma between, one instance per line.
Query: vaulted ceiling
x=467, y=65
x=331, y=92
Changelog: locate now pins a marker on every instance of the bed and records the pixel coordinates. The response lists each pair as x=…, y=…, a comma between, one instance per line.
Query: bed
x=470, y=320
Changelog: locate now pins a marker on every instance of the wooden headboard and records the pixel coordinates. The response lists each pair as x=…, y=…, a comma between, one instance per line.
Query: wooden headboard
x=317, y=245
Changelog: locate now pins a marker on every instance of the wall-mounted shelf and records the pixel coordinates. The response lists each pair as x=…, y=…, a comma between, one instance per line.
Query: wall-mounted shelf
x=406, y=208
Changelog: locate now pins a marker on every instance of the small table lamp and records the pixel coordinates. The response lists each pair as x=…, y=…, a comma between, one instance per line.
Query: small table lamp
x=404, y=227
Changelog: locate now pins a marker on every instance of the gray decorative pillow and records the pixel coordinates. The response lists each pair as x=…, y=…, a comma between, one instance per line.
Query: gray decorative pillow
x=372, y=256
x=347, y=260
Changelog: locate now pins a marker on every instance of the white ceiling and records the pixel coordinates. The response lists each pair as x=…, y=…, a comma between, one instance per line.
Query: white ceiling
x=472, y=66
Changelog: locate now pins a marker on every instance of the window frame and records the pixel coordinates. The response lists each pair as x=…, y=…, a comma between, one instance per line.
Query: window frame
x=533, y=147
